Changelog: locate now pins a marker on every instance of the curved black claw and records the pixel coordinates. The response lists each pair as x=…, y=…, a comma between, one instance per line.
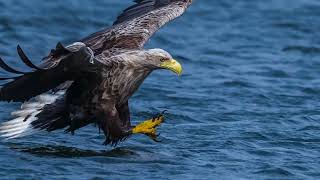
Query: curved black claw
x=154, y=138
x=163, y=112
x=159, y=115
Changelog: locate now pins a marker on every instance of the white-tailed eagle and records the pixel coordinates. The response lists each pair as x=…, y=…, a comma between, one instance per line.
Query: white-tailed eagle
x=91, y=81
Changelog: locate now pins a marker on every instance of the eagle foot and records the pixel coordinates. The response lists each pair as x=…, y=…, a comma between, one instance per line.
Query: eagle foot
x=149, y=127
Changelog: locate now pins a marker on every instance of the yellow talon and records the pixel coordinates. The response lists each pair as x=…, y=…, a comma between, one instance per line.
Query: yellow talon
x=149, y=127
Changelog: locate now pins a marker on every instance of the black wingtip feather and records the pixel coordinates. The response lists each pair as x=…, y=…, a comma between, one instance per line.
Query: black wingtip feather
x=60, y=46
x=61, y=49
x=7, y=68
x=25, y=59
x=6, y=78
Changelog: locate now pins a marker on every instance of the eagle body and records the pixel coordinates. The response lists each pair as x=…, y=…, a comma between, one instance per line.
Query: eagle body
x=91, y=81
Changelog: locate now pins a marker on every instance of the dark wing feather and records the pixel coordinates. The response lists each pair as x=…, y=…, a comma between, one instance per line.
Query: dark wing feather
x=7, y=68
x=59, y=53
x=6, y=78
x=25, y=59
x=142, y=7
x=137, y=24
x=34, y=83
x=28, y=86
x=131, y=30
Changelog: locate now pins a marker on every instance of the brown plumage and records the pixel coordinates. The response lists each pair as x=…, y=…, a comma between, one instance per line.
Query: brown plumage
x=92, y=80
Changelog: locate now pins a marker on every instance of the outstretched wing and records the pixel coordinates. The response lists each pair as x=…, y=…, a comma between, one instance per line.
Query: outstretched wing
x=137, y=24
x=31, y=84
x=131, y=30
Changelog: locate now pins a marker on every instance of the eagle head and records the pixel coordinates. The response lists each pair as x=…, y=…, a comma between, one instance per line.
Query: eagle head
x=161, y=59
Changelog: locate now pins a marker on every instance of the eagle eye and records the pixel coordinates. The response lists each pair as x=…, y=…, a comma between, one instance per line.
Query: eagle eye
x=163, y=59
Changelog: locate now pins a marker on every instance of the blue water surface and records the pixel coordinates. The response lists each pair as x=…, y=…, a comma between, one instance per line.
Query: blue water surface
x=246, y=107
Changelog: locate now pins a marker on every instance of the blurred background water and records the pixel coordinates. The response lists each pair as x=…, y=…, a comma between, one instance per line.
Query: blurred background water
x=247, y=106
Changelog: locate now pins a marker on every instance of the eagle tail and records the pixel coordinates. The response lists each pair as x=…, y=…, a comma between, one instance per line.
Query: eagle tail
x=45, y=112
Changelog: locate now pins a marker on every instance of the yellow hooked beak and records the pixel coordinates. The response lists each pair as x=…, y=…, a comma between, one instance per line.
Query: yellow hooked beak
x=172, y=65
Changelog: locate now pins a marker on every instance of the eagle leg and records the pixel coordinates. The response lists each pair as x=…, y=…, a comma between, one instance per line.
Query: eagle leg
x=149, y=127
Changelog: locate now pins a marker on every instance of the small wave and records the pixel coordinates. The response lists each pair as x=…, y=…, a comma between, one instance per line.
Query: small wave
x=279, y=74
x=310, y=128
x=255, y=136
x=292, y=26
x=275, y=171
x=311, y=90
x=236, y=83
x=302, y=49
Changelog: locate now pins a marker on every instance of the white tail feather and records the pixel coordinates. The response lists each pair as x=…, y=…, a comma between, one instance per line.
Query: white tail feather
x=23, y=113
x=31, y=105
x=12, y=122
x=21, y=125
